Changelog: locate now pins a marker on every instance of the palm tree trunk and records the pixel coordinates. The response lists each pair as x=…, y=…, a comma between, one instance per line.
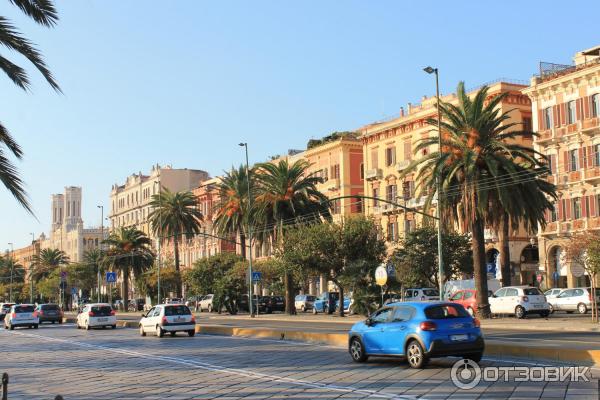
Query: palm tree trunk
x=341, y=310
x=243, y=244
x=125, y=294
x=479, y=268
x=176, y=250
x=503, y=234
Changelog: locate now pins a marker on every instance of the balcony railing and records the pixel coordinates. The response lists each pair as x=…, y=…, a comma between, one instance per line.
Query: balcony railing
x=374, y=173
x=333, y=184
x=402, y=165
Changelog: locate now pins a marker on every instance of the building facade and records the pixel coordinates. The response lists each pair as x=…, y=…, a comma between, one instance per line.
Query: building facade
x=566, y=104
x=389, y=148
x=25, y=255
x=130, y=202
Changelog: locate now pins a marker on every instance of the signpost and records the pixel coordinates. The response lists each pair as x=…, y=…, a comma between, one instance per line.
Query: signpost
x=381, y=277
x=256, y=276
x=111, y=277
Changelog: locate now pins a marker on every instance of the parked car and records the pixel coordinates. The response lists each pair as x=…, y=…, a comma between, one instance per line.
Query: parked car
x=96, y=315
x=4, y=308
x=421, y=294
x=571, y=300
x=192, y=301
x=347, y=304
x=136, y=304
x=520, y=301
x=168, y=318
x=242, y=303
x=277, y=303
x=173, y=300
x=21, y=315
x=551, y=293
x=49, y=313
x=117, y=305
x=468, y=299
x=417, y=331
x=324, y=302
x=304, y=302
x=206, y=304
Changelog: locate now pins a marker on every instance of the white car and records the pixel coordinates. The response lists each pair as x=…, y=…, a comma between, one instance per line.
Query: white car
x=552, y=293
x=96, y=315
x=171, y=318
x=520, y=301
x=21, y=315
x=206, y=303
x=421, y=294
x=571, y=300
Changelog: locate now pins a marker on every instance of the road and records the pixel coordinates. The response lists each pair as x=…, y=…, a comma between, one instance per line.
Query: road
x=119, y=364
x=309, y=323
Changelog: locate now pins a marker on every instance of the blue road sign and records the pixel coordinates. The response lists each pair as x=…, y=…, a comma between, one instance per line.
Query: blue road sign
x=111, y=277
x=256, y=276
x=73, y=291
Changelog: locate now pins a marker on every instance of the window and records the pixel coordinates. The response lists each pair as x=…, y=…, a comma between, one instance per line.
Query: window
x=553, y=215
x=374, y=159
x=571, y=113
x=576, y=208
x=392, y=231
x=595, y=105
x=358, y=206
x=362, y=171
x=382, y=315
x=376, y=196
x=597, y=155
x=548, y=118
x=391, y=192
x=527, y=124
x=446, y=311
x=551, y=164
x=408, y=188
x=390, y=156
x=335, y=171
x=402, y=314
x=335, y=206
x=573, y=160
x=512, y=292
x=457, y=296
x=409, y=226
x=468, y=295
x=407, y=150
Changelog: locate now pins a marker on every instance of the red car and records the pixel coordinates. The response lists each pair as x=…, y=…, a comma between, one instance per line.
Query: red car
x=467, y=298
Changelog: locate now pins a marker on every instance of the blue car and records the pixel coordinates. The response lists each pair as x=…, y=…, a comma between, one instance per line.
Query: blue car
x=347, y=304
x=321, y=303
x=417, y=331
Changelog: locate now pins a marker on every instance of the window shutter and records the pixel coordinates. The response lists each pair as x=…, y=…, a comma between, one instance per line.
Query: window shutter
x=581, y=158
x=567, y=206
x=541, y=120
x=590, y=157
x=566, y=160
x=593, y=205
x=586, y=106
x=563, y=114
x=553, y=162
x=578, y=109
x=584, y=207
x=547, y=215
x=556, y=115
x=561, y=210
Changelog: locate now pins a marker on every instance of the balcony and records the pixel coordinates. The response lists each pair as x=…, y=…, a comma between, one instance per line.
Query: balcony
x=590, y=126
x=592, y=174
x=544, y=136
x=578, y=224
x=565, y=227
x=594, y=223
x=333, y=184
x=402, y=165
x=416, y=202
x=489, y=235
x=574, y=176
x=373, y=174
x=551, y=228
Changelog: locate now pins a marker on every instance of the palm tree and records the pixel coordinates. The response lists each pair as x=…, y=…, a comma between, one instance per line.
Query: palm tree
x=129, y=252
x=175, y=215
x=95, y=258
x=43, y=13
x=287, y=195
x=478, y=150
x=46, y=262
x=231, y=211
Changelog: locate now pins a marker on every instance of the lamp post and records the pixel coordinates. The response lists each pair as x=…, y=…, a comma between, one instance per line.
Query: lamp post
x=31, y=268
x=101, y=240
x=431, y=70
x=159, y=243
x=12, y=264
x=249, y=229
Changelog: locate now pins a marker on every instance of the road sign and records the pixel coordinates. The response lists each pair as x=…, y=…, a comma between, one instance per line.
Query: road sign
x=111, y=277
x=381, y=275
x=577, y=270
x=256, y=276
x=73, y=291
x=539, y=276
x=391, y=271
x=63, y=276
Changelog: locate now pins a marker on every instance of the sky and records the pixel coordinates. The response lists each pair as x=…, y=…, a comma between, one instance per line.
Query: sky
x=183, y=82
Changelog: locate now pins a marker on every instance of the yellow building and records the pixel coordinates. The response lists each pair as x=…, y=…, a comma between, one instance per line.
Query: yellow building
x=566, y=104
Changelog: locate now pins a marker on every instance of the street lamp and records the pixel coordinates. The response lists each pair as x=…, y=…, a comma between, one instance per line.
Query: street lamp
x=12, y=264
x=431, y=70
x=249, y=229
x=101, y=240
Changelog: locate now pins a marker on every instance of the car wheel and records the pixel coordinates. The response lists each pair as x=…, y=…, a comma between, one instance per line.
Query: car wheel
x=113, y=327
x=191, y=333
x=142, y=332
x=172, y=334
x=357, y=351
x=52, y=322
x=209, y=308
x=87, y=326
x=11, y=327
x=582, y=308
x=303, y=309
x=520, y=312
x=569, y=312
x=35, y=326
x=551, y=308
x=314, y=310
x=545, y=314
x=159, y=331
x=470, y=311
x=474, y=356
x=416, y=355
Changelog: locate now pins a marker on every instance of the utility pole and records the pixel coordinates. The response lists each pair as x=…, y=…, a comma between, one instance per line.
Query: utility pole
x=249, y=229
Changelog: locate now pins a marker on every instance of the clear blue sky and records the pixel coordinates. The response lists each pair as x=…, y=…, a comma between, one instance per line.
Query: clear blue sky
x=182, y=82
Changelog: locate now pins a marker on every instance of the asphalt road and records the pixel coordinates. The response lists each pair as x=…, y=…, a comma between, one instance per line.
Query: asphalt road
x=119, y=364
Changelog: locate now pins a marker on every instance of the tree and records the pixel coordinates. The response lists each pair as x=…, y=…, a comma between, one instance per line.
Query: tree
x=584, y=251
x=46, y=262
x=416, y=261
x=170, y=278
x=43, y=13
x=347, y=253
x=12, y=277
x=93, y=259
x=477, y=151
x=287, y=195
x=173, y=216
x=129, y=252
x=232, y=212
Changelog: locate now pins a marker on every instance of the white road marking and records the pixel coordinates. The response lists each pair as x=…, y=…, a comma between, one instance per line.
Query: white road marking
x=223, y=369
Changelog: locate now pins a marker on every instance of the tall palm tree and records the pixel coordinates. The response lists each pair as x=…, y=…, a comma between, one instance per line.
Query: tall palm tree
x=43, y=13
x=94, y=258
x=129, y=252
x=47, y=261
x=287, y=195
x=175, y=215
x=231, y=211
x=478, y=150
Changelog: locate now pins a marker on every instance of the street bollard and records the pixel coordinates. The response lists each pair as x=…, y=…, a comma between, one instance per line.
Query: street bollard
x=5, y=386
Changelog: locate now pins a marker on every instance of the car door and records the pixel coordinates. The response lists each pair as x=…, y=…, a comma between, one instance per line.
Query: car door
x=147, y=320
x=373, y=337
x=496, y=301
x=394, y=331
x=457, y=297
x=579, y=296
x=562, y=300
x=510, y=300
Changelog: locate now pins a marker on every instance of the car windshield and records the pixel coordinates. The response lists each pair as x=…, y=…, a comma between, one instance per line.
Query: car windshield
x=310, y=298
x=101, y=310
x=177, y=310
x=532, y=291
x=24, y=309
x=446, y=311
x=431, y=292
x=6, y=306
x=50, y=307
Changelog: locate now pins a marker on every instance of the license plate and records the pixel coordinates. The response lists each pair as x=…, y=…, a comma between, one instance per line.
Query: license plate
x=102, y=319
x=537, y=306
x=459, y=338
x=179, y=319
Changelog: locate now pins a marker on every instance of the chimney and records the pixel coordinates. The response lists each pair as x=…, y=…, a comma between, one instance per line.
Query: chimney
x=402, y=111
x=409, y=107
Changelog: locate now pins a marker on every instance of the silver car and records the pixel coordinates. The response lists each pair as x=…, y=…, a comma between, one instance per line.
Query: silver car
x=571, y=300
x=304, y=302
